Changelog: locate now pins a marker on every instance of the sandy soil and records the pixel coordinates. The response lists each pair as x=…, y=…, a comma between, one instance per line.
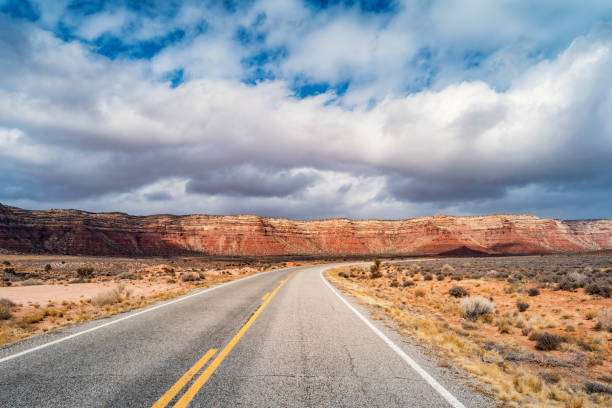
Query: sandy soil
x=424, y=309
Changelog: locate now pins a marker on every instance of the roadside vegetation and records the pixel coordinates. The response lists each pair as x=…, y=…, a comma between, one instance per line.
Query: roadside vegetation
x=71, y=290
x=533, y=329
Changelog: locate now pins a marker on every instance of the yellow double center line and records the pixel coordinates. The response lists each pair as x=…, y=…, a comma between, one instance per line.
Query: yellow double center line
x=201, y=380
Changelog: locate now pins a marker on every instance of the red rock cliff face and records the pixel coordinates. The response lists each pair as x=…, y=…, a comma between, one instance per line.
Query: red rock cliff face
x=78, y=232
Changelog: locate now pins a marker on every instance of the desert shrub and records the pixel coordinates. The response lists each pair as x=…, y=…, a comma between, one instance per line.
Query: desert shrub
x=85, y=272
x=592, y=387
x=474, y=307
x=598, y=288
x=168, y=271
x=440, y=277
x=5, y=312
x=546, y=341
x=128, y=275
x=428, y=277
x=604, y=320
x=343, y=275
x=107, y=297
x=567, y=284
x=31, y=282
x=375, y=272
x=6, y=263
x=458, y=291
x=456, y=277
x=550, y=377
x=522, y=306
x=533, y=291
x=419, y=293
x=191, y=277
x=409, y=283
x=6, y=302
x=525, y=331
x=170, y=280
x=447, y=269
x=48, y=268
x=394, y=284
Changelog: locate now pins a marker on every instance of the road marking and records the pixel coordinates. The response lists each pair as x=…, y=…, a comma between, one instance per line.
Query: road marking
x=201, y=380
x=51, y=343
x=454, y=402
x=265, y=296
x=171, y=393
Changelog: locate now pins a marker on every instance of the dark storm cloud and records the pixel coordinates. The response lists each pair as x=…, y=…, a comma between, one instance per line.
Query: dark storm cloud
x=251, y=182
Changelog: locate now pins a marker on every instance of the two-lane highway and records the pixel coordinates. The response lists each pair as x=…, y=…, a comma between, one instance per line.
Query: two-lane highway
x=282, y=338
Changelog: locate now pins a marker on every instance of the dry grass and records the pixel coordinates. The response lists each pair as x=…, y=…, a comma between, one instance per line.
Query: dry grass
x=495, y=347
x=158, y=279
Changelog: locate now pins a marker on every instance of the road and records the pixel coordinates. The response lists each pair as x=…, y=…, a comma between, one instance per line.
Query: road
x=279, y=339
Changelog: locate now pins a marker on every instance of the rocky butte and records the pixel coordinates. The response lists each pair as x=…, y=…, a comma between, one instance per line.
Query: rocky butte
x=110, y=234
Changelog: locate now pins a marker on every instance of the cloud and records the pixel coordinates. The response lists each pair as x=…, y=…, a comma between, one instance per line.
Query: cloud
x=251, y=182
x=522, y=133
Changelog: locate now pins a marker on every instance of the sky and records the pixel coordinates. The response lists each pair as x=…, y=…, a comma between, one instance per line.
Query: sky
x=308, y=109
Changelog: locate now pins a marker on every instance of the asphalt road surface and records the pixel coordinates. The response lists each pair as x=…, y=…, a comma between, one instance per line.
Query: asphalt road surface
x=279, y=339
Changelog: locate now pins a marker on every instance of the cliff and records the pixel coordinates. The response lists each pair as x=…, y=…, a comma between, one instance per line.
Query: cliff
x=83, y=233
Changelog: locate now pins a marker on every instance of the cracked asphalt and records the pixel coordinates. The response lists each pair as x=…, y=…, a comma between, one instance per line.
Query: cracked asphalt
x=305, y=349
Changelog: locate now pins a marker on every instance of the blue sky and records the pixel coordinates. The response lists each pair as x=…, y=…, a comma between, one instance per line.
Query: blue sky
x=308, y=109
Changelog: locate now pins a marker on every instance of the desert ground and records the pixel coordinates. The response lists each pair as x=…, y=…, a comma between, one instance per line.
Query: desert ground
x=39, y=293
x=536, y=330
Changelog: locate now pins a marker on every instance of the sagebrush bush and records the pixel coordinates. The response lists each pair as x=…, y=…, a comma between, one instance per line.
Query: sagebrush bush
x=604, y=320
x=474, y=307
x=533, y=291
x=546, y=341
x=409, y=283
x=375, y=272
x=428, y=277
x=85, y=272
x=592, y=387
x=343, y=275
x=107, y=297
x=598, y=288
x=31, y=282
x=447, y=269
x=128, y=275
x=6, y=302
x=522, y=306
x=458, y=291
x=5, y=312
x=192, y=277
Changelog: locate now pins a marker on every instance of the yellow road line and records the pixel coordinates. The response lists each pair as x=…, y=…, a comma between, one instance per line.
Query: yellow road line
x=167, y=397
x=201, y=380
x=265, y=296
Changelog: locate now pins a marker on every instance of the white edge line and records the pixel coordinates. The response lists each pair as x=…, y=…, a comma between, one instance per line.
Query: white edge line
x=51, y=343
x=424, y=374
